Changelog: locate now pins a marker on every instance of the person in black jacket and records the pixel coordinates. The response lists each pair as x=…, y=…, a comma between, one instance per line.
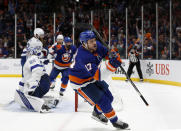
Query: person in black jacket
x=134, y=61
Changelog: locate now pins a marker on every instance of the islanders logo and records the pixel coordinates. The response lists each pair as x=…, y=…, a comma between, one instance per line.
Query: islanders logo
x=66, y=57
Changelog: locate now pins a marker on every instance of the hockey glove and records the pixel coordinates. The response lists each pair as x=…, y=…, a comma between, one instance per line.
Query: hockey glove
x=114, y=59
x=45, y=62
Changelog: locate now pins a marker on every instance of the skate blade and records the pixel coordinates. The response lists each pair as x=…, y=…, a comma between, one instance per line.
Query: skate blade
x=123, y=129
x=95, y=118
x=43, y=111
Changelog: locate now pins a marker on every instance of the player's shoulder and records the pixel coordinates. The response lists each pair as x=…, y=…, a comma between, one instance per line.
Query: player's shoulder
x=35, y=41
x=25, y=50
x=74, y=48
x=101, y=49
x=59, y=46
x=100, y=45
x=54, y=44
x=82, y=53
x=33, y=59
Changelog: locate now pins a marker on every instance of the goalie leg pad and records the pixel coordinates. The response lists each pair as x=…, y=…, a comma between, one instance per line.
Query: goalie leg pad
x=43, y=87
x=29, y=102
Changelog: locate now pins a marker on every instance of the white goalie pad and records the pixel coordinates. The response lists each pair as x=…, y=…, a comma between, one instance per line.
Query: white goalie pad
x=29, y=102
x=52, y=98
x=51, y=101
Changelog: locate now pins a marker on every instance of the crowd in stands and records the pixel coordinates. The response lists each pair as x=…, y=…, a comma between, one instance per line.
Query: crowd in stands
x=25, y=11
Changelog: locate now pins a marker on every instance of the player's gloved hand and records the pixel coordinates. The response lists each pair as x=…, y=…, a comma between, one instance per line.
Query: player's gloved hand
x=46, y=62
x=114, y=59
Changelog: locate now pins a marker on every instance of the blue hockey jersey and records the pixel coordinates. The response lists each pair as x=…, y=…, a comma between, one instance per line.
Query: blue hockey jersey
x=86, y=65
x=64, y=56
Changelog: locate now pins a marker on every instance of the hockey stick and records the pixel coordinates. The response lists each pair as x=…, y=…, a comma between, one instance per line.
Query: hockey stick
x=88, y=26
x=7, y=104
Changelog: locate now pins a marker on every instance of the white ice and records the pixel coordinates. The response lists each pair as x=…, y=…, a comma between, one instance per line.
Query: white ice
x=162, y=114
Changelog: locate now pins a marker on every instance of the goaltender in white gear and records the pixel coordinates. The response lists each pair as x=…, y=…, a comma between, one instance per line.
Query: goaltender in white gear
x=35, y=83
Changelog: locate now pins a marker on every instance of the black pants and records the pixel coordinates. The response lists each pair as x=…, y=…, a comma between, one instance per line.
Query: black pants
x=138, y=67
x=43, y=88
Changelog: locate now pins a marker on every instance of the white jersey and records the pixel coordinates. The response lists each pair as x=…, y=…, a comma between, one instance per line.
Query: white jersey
x=33, y=70
x=35, y=42
x=32, y=43
x=23, y=54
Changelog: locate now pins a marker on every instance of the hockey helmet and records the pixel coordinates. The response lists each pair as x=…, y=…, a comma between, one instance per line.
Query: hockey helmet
x=67, y=39
x=86, y=35
x=60, y=37
x=39, y=33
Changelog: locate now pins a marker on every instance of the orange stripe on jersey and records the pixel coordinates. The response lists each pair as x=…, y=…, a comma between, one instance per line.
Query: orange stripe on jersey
x=98, y=108
x=78, y=80
x=110, y=67
x=119, y=58
x=96, y=76
x=58, y=46
x=62, y=64
x=86, y=97
x=107, y=57
x=63, y=85
x=110, y=114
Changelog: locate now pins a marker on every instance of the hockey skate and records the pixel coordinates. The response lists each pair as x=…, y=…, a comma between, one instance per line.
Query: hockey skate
x=61, y=93
x=52, y=85
x=120, y=125
x=45, y=109
x=99, y=117
x=51, y=101
x=141, y=80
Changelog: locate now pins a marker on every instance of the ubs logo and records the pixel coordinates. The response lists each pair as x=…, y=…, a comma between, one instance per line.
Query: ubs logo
x=65, y=57
x=150, y=70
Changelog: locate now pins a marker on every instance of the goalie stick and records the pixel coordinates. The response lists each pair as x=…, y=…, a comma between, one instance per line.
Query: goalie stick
x=91, y=27
x=6, y=104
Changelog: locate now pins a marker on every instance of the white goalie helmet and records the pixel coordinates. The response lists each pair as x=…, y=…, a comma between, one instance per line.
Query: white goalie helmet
x=39, y=33
x=60, y=37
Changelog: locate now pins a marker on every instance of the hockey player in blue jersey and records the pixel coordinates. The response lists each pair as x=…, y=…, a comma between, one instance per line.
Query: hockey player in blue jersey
x=85, y=78
x=52, y=50
x=35, y=83
x=62, y=62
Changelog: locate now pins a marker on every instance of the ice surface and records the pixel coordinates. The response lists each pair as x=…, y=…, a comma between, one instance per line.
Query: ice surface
x=163, y=114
